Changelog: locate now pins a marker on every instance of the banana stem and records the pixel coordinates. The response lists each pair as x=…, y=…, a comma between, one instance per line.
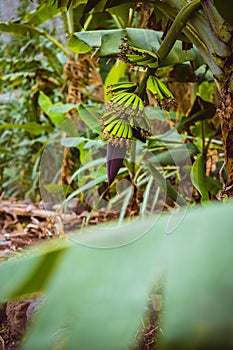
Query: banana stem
x=141, y=88
x=176, y=28
x=170, y=39
x=201, y=35
x=55, y=42
x=70, y=21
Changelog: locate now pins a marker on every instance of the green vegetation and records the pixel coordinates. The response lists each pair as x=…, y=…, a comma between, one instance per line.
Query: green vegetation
x=127, y=107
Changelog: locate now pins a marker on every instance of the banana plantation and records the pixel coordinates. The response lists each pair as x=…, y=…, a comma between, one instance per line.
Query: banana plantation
x=116, y=174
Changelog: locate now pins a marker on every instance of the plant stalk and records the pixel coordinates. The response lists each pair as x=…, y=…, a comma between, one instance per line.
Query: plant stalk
x=198, y=31
x=55, y=42
x=179, y=23
x=141, y=88
x=70, y=21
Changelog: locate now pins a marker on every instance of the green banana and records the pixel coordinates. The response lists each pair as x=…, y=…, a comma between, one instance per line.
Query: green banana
x=109, y=127
x=153, y=86
x=136, y=103
x=118, y=97
x=131, y=123
x=163, y=88
x=142, y=50
x=153, y=64
x=153, y=54
x=136, y=58
x=142, y=61
x=111, y=119
x=156, y=86
x=115, y=129
x=141, y=105
x=106, y=115
x=121, y=130
x=121, y=97
x=150, y=84
x=126, y=130
x=122, y=86
x=130, y=133
x=149, y=63
x=130, y=100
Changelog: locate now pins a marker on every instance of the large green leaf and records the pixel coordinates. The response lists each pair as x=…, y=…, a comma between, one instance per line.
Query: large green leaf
x=108, y=41
x=77, y=45
x=213, y=185
x=199, y=281
x=36, y=274
x=121, y=12
x=72, y=141
x=175, y=156
x=203, y=183
x=166, y=187
x=103, y=292
x=55, y=112
x=19, y=29
x=113, y=77
x=90, y=117
x=44, y=12
x=82, y=42
x=198, y=178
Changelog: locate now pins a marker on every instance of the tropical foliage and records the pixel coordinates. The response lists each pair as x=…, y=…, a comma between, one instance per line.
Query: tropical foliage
x=128, y=107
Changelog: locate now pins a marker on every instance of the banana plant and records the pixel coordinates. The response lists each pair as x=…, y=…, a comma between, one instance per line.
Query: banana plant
x=207, y=25
x=204, y=24
x=124, y=117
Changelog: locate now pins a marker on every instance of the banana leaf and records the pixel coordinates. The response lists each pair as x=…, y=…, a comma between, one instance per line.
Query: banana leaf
x=104, y=292
x=108, y=42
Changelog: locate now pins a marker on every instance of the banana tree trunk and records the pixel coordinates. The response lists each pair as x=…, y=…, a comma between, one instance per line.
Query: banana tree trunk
x=221, y=53
x=225, y=112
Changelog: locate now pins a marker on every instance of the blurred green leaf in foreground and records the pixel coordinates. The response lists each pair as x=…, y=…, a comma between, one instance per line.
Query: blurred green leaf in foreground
x=94, y=298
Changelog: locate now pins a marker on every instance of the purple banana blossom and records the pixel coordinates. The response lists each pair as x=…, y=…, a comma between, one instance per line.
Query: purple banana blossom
x=115, y=157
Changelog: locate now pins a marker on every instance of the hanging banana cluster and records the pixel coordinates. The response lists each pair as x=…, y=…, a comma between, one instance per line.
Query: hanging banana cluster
x=124, y=117
x=163, y=95
x=137, y=56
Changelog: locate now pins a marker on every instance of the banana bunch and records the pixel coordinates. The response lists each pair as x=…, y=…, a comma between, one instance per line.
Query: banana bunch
x=121, y=87
x=125, y=119
x=137, y=56
x=118, y=130
x=163, y=95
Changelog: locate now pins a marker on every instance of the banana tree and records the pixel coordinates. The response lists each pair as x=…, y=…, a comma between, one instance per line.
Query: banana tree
x=205, y=24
